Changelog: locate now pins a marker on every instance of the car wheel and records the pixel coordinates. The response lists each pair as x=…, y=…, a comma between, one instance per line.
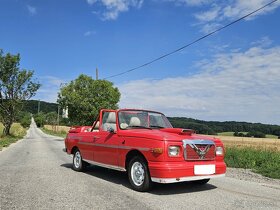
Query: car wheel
x=78, y=163
x=201, y=182
x=138, y=174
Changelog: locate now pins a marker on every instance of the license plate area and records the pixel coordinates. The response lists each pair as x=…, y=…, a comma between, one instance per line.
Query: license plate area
x=204, y=169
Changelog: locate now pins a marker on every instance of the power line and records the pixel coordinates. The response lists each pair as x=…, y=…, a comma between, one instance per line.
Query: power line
x=191, y=43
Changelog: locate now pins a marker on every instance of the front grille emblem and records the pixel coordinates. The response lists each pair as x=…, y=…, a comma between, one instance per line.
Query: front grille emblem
x=201, y=147
x=201, y=152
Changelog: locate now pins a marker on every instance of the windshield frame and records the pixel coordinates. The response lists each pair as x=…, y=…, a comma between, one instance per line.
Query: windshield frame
x=166, y=122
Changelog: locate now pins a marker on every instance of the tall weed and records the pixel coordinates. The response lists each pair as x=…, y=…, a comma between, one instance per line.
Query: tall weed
x=265, y=162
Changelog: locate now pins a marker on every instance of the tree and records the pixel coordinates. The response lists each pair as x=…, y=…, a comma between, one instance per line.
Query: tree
x=40, y=119
x=84, y=97
x=51, y=118
x=15, y=86
x=24, y=118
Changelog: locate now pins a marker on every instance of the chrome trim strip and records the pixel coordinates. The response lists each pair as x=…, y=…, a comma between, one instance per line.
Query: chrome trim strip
x=86, y=143
x=105, y=165
x=79, y=138
x=122, y=147
x=183, y=179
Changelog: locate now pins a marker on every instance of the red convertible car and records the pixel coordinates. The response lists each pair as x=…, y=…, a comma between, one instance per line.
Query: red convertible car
x=145, y=145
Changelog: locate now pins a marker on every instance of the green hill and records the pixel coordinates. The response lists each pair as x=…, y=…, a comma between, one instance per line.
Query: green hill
x=214, y=127
x=31, y=106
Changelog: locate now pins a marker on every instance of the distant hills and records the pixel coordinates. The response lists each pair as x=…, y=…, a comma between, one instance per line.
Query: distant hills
x=213, y=127
x=203, y=127
x=31, y=106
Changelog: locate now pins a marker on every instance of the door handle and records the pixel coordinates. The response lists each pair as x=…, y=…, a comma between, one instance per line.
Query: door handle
x=95, y=138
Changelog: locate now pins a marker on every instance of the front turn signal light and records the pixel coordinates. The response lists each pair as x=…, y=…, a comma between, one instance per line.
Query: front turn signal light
x=157, y=150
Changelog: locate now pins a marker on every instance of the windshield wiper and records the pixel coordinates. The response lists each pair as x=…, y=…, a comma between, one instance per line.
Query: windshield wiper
x=134, y=126
x=156, y=126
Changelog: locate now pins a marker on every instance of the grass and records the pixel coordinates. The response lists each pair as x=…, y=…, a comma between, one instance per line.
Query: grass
x=229, y=133
x=1, y=129
x=264, y=162
x=17, y=132
x=55, y=133
x=271, y=136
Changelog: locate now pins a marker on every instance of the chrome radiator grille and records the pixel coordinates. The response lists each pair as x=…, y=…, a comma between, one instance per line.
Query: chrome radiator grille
x=199, y=149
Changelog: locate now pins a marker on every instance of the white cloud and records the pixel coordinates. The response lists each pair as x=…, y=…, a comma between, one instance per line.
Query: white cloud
x=240, y=8
x=263, y=42
x=241, y=86
x=91, y=1
x=209, y=15
x=114, y=7
x=50, y=88
x=89, y=33
x=231, y=10
x=190, y=2
x=32, y=10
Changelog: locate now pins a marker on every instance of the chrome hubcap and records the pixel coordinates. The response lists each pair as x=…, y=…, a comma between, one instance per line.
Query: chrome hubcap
x=137, y=173
x=77, y=159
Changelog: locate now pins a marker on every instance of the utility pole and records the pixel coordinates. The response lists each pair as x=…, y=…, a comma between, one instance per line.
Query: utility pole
x=38, y=106
x=57, y=117
x=96, y=72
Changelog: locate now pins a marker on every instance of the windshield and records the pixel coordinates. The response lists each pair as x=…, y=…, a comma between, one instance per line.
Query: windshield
x=133, y=119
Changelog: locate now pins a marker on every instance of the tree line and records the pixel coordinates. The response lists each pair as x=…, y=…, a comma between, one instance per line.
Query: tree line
x=214, y=127
x=48, y=114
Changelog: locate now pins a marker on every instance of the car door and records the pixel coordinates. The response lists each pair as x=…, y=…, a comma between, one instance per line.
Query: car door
x=106, y=141
x=86, y=145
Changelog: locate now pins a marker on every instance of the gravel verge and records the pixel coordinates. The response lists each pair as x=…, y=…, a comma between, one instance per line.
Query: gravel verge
x=249, y=175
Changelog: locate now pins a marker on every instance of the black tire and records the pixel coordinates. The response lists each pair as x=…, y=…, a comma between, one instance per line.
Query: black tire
x=78, y=163
x=138, y=174
x=201, y=182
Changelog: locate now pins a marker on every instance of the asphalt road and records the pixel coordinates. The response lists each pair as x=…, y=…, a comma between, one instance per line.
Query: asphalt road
x=36, y=174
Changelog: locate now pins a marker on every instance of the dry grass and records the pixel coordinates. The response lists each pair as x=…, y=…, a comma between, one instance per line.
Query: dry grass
x=17, y=132
x=257, y=143
x=1, y=129
x=55, y=128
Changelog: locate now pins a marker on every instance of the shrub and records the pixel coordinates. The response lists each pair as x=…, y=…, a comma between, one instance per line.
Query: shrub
x=25, y=121
x=265, y=162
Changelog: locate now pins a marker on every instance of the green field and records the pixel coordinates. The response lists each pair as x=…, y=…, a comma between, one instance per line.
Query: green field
x=271, y=136
x=231, y=134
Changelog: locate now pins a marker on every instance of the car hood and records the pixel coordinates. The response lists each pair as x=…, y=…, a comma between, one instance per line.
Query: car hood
x=165, y=134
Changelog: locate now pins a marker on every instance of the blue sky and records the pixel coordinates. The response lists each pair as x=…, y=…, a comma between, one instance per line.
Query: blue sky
x=232, y=75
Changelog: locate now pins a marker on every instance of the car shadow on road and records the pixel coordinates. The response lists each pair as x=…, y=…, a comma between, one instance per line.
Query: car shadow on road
x=121, y=178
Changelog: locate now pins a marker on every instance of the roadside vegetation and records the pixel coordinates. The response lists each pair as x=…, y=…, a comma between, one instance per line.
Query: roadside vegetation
x=262, y=161
x=17, y=132
x=248, y=134
x=54, y=132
